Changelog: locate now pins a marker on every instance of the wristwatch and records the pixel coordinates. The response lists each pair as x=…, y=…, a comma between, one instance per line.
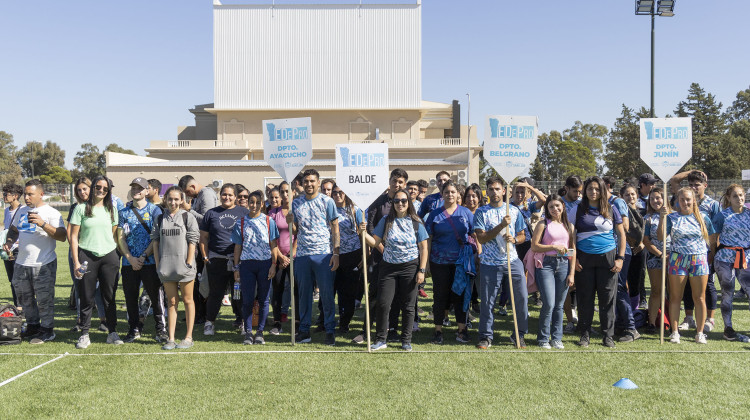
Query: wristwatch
x=619, y=257
x=422, y=270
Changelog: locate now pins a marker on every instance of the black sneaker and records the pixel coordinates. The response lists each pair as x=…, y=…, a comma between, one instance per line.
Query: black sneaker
x=521, y=344
x=393, y=336
x=650, y=329
x=161, y=337
x=276, y=330
x=463, y=336
x=608, y=342
x=249, y=340
x=730, y=334
x=437, y=338
x=359, y=339
x=44, y=335
x=103, y=328
x=302, y=337
x=32, y=330
x=259, y=338
x=132, y=336
x=629, y=336
x=330, y=339
x=484, y=343
x=584, y=341
x=343, y=329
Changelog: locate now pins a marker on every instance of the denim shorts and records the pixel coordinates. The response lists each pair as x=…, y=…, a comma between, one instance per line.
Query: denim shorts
x=688, y=264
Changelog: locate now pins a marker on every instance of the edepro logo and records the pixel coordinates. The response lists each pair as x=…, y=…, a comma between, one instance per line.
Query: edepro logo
x=361, y=160
x=520, y=132
x=665, y=133
x=289, y=133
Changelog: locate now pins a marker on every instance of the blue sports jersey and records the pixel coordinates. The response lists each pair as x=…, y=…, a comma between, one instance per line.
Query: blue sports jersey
x=734, y=230
x=350, y=241
x=312, y=218
x=685, y=232
x=255, y=237
x=594, y=231
x=622, y=207
x=445, y=247
x=136, y=236
x=651, y=222
x=401, y=242
x=494, y=252
x=430, y=203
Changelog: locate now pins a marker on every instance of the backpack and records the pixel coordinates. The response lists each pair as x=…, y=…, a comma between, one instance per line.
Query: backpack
x=11, y=324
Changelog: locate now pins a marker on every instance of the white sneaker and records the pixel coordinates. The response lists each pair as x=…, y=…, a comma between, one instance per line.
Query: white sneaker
x=415, y=327
x=674, y=337
x=83, y=341
x=113, y=338
x=557, y=344
x=545, y=346
x=709, y=325
x=226, y=301
x=687, y=323
x=208, y=328
x=700, y=338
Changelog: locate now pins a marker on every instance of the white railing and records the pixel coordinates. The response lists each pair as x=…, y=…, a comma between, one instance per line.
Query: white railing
x=449, y=142
x=225, y=143
x=178, y=143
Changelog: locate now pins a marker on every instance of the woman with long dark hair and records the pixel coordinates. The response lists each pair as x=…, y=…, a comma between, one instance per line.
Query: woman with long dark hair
x=92, y=242
x=348, y=274
x=474, y=199
x=403, y=266
x=280, y=206
x=655, y=248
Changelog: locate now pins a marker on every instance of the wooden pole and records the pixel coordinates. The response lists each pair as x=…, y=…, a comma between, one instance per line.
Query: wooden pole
x=663, y=225
x=510, y=278
x=367, y=290
x=293, y=321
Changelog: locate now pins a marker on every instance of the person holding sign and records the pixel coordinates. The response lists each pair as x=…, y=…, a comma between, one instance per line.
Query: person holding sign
x=315, y=223
x=404, y=240
x=654, y=246
x=599, y=259
x=689, y=231
x=348, y=274
x=449, y=227
x=495, y=225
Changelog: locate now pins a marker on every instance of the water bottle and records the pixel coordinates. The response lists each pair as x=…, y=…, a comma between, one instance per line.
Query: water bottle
x=236, y=293
x=4, y=255
x=82, y=270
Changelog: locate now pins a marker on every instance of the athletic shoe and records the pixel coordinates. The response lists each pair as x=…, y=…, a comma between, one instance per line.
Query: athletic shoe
x=740, y=294
x=45, y=335
x=169, y=345
x=537, y=299
x=103, y=328
x=484, y=343
x=545, y=345
x=686, y=324
x=208, y=328
x=302, y=337
x=185, y=344
x=674, y=337
x=405, y=346
x=114, y=338
x=643, y=304
x=423, y=294
x=259, y=338
x=608, y=342
x=31, y=331
x=730, y=334
x=83, y=341
x=463, y=336
x=248, y=339
x=570, y=328
x=276, y=330
x=239, y=324
x=557, y=344
x=319, y=328
x=629, y=336
x=521, y=344
x=161, y=337
x=415, y=327
x=700, y=338
x=709, y=326
x=316, y=296
x=437, y=338
x=502, y=312
x=378, y=345
x=393, y=336
x=132, y=336
x=743, y=338
x=77, y=328
x=343, y=329
x=226, y=301
x=584, y=340
x=446, y=322
x=359, y=339
x=330, y=339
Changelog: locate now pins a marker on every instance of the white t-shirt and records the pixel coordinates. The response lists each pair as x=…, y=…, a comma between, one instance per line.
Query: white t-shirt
x=35, y=247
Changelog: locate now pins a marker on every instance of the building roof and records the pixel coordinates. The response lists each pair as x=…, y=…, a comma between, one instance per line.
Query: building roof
x=262, y=163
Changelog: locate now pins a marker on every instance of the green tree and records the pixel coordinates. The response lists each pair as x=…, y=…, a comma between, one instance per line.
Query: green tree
x=57, y=175
x=740, y=108
x=573, y=158
x=36, y=158
x=541, y=169
x=89, y=161
x=623, y=157
x=10, y=172
x=112, y=147
x=592, y=136
x=706, y=112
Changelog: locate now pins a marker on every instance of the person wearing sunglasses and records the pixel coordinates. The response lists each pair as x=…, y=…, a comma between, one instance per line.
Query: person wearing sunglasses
x=404, y=241
x=243, y=195
x=92, y=241
x=348, y=274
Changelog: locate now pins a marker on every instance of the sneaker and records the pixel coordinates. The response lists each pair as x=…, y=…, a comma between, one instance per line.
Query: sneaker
x=743, y=338
x=248, y=339
x=226, y=301
x=463, y=336
x=132, y=336
x=730, y=334
x=557, y=344
x=45, y=335
x=169, y=345
x=359, y=339
x=423, y=294
x=330, y=339
x=484, y=343
x=161, y=337
x=415, y=327
x=740, y=294
x=584, y=340
x=208, y=328
x=276, y=330
x=545, y=345
x=643, y=304
x=687, y=323
x=502, y=312
x=709, y=326
x=406, y=346
x=629, y=336
x=537, y=300
x=700, y=338
x=674, y=337
x=83, y=341
x=302, y=337
x=378, y=345
x=316, y=296
x=446, y=322
x=103, y=328
x=114, y=338
x=77, y=328
x=185, y=344
x=570, y=328
x=437, y=338
x=259, y=338
x=521, y=344
x=608, y=342
x=393, y=336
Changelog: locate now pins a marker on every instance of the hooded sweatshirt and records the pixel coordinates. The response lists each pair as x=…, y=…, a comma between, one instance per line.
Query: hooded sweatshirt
x=174, y=237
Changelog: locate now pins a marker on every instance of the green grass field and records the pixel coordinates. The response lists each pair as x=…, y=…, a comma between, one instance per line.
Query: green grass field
x=220, y=377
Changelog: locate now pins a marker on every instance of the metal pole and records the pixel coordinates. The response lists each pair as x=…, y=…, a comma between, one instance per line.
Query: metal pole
x=510, y=277
x=652, y=61
x=468, y=140
x=293, y=321
x=367, y=291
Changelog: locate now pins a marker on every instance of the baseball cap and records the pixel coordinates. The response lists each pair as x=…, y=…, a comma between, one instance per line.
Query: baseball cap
x=140, y=182
x=647, y=179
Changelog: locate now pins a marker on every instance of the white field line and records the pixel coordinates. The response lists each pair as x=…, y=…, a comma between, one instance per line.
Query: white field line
x=7, y=381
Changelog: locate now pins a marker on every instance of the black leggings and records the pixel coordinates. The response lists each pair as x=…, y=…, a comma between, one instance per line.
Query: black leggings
x=442, y=282
x=278, y=284
x=396, y=279
x=347, y=283
x=219, y=278
x=103, y=270
x=131, y=287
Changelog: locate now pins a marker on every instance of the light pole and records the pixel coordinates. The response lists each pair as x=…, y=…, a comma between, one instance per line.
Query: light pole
x=468, y=140
x=654, y=8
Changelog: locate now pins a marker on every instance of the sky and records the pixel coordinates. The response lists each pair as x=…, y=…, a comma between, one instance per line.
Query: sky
x=127, y=72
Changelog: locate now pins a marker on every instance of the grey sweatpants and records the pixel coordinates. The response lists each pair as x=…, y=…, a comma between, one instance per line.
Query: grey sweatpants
x=35, y=291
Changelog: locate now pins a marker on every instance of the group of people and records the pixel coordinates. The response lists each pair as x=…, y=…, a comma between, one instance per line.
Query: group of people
x=583, y=242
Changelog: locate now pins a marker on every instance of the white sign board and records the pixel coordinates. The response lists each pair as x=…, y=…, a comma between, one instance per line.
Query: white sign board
x=746, y=174
x=287, y=145
x=362, y=171
x=666, y=144
x=510, y=144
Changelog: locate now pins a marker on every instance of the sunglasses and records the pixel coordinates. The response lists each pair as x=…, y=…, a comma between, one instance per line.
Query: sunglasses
x=100, y=188
x=400, y=201
x=243, y=197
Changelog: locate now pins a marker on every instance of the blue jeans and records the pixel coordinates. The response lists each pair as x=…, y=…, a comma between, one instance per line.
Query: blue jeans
x=623, y=311
x=309, y=269
x=727, y=273
x=490, y=282
x=254, y=277
x=550, y=279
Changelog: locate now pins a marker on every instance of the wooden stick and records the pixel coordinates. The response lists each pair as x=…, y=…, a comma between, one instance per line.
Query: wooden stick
x=367, y=290
x=510, y=278
x=663, y=265
x=293, y=321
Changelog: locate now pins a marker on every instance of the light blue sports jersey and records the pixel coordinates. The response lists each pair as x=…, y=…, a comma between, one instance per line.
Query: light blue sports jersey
x=350, y=241
x=401, y=242
x=622, y=207
x=651, y=226
x=312, y=218
x=686, y=234
x=254, y=239
x=734, y=230
x=571, y=208
x=485, y=219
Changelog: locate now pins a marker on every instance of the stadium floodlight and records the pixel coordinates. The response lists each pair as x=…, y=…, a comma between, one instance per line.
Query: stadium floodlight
x=644, y=7
x=653, y=8
x=665, y=8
